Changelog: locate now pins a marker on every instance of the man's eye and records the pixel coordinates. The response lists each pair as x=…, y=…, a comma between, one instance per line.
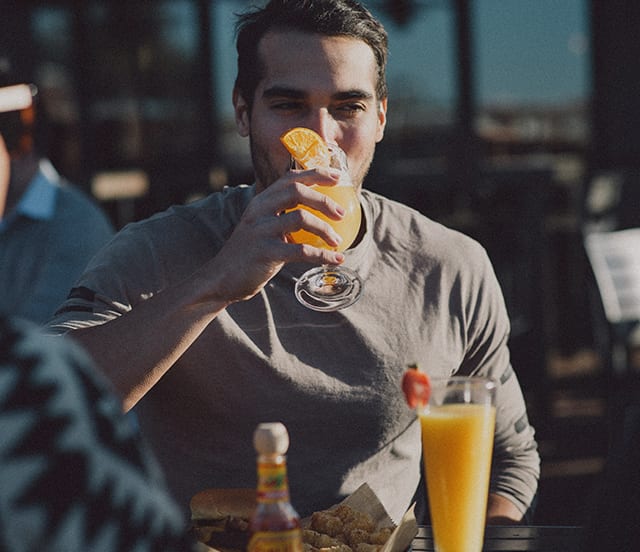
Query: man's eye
x=351, y=109
x=286, y=106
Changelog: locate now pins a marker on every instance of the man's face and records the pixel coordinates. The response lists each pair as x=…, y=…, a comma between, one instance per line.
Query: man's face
x=314, y=81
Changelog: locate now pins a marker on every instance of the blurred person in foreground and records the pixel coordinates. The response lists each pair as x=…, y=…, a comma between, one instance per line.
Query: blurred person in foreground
x=192, y=313
x=75, y=476
x=49, y=229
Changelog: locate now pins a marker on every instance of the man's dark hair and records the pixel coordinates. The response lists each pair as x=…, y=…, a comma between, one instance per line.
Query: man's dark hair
x=326, y=17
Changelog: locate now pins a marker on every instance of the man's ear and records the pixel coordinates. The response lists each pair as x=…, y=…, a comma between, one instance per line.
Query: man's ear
x=382, y=119
x=241, y=109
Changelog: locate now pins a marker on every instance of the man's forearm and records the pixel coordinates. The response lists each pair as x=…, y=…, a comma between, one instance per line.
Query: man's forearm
x=501, y=511
x=135, y=350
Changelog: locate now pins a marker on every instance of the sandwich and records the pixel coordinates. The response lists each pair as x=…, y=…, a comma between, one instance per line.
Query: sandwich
x=220, y=517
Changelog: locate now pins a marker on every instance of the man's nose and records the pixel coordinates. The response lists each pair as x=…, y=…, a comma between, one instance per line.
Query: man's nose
x=325, y=125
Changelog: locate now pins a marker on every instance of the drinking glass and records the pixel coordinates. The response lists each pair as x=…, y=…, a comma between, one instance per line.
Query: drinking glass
x=326, y=287
x=458, y=425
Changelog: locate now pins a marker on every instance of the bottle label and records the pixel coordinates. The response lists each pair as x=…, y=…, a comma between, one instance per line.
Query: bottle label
x=272, y=483
x=276, y=541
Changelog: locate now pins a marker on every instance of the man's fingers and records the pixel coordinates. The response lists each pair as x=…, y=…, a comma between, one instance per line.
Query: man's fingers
x=301, y=219
x=294, y=189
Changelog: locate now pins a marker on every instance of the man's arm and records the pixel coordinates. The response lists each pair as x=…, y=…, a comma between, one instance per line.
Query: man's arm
x=516, y=463
x=136, y=349
x=501, y=511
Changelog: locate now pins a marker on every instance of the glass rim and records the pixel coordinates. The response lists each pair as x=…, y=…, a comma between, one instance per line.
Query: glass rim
x=476, y=390
x=463, y=379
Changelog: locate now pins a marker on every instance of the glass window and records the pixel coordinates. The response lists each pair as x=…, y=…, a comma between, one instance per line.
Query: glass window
x=143, y=86
x=51, y=33
x=532, y=70
x=224, y=52
x=233, y=148
x=124, y=84
x=420, y=71
x=411, y=163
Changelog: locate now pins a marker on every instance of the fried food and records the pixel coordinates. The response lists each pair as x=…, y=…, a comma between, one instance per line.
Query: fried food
x=343, y=529
x=336, y=548
x=381, y=536
x=365, y=547
x=327, y=523
x=318, y=540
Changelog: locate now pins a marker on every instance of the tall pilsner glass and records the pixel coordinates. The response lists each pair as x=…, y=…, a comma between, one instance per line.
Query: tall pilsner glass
x=458, y=425
x=331, y=288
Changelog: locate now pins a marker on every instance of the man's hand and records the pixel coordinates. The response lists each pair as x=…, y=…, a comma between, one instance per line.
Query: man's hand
x=259, y=245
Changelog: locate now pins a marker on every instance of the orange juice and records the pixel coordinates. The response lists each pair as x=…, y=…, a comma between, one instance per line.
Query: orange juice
x=347, y=227
x=457, y=442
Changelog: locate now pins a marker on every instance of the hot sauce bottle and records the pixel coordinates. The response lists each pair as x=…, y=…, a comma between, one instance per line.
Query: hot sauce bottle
x=275, y=525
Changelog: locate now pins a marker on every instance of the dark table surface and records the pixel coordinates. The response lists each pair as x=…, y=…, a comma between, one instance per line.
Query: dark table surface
x=537, y=538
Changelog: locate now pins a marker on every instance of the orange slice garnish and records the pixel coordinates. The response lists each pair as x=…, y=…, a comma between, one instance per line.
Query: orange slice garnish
x=307, y=147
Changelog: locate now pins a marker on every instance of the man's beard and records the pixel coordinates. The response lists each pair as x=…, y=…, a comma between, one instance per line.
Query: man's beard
x=264, y=171
x=358, y=177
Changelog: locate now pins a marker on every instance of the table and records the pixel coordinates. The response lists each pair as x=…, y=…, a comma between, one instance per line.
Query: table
x=517, y=538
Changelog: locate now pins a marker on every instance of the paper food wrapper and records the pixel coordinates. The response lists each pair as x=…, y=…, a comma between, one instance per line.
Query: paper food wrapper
x=365, y=500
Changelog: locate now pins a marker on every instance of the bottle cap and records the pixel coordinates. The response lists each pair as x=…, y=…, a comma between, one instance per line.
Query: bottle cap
x=271, y=438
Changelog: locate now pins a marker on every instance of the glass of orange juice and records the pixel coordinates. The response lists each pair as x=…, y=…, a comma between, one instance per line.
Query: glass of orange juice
x=330, y=288
x=458, y=425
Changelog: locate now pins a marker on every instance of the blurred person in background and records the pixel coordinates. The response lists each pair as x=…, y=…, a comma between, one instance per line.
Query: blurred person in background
x=49, y=229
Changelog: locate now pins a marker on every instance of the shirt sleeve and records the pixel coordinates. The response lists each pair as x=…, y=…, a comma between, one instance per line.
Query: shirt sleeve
x=516, y=462
x=130, y=269
x=108, y=287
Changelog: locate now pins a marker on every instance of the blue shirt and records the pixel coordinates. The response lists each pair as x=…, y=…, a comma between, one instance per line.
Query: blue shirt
x=45, y=243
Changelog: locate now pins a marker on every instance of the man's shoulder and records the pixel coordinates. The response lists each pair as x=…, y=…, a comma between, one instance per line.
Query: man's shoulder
x=206, y=221
x=390, y=216
x=391, y=211
x=228, y=203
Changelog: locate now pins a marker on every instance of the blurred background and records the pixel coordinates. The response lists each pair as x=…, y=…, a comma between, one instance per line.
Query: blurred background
x=516, y=122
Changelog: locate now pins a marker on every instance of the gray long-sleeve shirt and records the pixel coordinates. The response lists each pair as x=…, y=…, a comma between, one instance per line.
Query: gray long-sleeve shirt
x=430, y=297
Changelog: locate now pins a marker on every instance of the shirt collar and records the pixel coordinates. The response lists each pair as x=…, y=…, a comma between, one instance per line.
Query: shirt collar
x=38, y=201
